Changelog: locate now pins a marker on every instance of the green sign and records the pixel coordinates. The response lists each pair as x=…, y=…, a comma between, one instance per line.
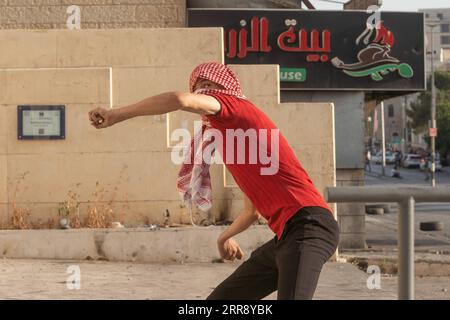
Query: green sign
x=397, y=140
x=293, y=74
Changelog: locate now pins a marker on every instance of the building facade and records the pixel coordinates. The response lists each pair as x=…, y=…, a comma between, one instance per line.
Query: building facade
x=398, y=134
x=437, y=32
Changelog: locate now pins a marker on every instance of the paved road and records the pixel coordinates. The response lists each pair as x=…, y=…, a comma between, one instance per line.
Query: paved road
x=409, y=177
x=381, y=230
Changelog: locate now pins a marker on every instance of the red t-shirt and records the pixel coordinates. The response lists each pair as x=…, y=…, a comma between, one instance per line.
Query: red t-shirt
x=277, y=197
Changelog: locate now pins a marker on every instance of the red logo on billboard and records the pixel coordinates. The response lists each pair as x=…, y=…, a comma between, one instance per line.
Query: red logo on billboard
x=315, y=43
x=375, y=59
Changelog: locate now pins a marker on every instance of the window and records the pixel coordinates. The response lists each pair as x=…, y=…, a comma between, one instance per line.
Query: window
x=445, y=39
x=427, y=15
x=445, y=28
x=440, y=16
x=391, y=111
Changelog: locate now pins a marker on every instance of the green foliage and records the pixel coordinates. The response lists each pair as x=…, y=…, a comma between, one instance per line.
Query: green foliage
x=443, y=124
x=420, y=112
x=442, y=80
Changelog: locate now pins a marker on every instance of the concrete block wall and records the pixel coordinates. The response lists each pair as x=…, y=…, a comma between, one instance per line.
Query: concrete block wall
x=95, y=14
x=127, y=167
x=351, y=216
x=82, y=70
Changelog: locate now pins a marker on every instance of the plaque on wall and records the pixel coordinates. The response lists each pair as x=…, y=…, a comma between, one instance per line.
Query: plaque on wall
x=41, y=122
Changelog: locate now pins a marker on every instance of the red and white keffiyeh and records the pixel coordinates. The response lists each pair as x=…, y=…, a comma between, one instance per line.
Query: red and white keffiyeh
x=194, y=181
x=217, y=73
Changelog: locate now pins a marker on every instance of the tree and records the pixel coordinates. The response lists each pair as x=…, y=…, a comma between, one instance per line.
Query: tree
x=442, y=80
x=443, y=123
x=443, y=113
x=419, y=112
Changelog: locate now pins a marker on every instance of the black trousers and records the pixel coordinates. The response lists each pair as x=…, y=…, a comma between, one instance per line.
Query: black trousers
x=291, y=265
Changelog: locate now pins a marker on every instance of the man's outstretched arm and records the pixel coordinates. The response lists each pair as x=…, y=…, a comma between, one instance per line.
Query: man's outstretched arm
x=155, y=105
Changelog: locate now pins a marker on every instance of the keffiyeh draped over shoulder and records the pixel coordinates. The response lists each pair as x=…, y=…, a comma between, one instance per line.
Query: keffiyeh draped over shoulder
x=194, y=181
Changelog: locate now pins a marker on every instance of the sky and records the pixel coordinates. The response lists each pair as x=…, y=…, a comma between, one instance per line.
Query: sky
x=389, y=5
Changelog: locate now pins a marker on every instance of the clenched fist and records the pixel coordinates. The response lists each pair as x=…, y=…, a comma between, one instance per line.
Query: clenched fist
x=102, y=118
x=229, y=249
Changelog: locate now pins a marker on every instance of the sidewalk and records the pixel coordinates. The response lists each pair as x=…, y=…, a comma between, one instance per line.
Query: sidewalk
x=45, y=279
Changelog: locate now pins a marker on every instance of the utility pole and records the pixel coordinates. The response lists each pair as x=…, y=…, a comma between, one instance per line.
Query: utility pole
x=405, y=125
x=433, y=112
x=383, y=141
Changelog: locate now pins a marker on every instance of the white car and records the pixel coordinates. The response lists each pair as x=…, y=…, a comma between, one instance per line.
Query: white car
x=438, y=165
x=412, y=161
x=390, y=157
x=375, y=158
x=378, y=158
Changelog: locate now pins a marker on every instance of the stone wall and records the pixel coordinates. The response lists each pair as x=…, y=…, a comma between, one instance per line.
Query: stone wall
x=104, y=14
x=127, y=168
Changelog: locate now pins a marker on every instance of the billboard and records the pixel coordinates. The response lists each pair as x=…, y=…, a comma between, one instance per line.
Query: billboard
x=325, y=50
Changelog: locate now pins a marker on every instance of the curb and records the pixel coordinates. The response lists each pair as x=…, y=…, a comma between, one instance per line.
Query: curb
x=179, y=245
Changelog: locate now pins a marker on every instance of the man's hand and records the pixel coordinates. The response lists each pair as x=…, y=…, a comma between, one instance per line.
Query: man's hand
x=102, y=118
x=229, y=249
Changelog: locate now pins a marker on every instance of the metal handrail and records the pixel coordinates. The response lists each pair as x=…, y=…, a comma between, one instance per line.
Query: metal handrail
x=406, y=197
